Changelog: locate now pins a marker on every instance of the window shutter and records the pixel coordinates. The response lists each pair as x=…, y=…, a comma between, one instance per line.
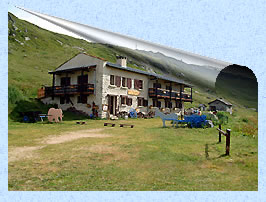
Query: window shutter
x=140, y=84
x=145, y=104
x=127, y=100
x=118, y=81
x=124, y=84
x=129, y=83
x=112, y=80
x=159, y=104
x=136, y=84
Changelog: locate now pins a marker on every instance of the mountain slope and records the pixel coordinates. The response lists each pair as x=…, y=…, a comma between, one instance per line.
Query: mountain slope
x=34, y=51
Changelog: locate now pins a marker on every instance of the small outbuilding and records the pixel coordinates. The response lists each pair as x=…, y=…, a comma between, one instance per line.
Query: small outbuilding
x=220, y=105
x=202, y=107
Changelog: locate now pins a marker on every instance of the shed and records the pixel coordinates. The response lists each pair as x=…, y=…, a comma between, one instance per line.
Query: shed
x=220, y=105
x=202, y=107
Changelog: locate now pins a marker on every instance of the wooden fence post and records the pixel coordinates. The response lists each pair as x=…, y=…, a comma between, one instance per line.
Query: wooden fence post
x=227, y=141
x=220, y=134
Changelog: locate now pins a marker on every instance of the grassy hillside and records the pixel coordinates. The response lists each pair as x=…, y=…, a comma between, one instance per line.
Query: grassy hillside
x=34, y=51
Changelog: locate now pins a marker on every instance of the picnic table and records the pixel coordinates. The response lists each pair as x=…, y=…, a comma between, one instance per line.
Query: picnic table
x=43, y=116
x=196, y=121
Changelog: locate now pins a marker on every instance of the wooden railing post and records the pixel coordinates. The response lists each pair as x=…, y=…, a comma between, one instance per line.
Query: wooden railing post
x=227, y=135
x=220, y=134
x=53, y=86
x=227, y=141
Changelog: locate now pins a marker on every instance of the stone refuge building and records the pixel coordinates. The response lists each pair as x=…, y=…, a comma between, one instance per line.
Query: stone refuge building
x=96, y=86
x=220, y=105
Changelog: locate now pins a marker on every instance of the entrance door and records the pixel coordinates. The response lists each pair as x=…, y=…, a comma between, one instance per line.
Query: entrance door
x=112, y=104
x=213, y=108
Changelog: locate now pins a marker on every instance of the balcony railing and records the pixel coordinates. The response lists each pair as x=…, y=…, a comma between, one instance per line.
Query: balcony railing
x=167, y=94
x=69, y=90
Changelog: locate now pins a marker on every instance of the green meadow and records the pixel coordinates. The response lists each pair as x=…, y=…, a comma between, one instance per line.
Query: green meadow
x=146, y=157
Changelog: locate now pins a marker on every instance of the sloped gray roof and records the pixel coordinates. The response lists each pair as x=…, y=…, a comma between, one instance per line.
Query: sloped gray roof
x=221, y=100
x=148, y=74
x=72, y=69
x=79, y=61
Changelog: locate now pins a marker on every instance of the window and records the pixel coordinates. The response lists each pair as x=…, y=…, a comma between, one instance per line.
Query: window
x=65, y=81
x=168, y=88
x=65, y=99
x=129, y=83
x=156, y=103
x=118, y=81
x=62, y=100
x=123, y=100
x=138, y=84
x=157, y=85
x=82, y=79
x=178, y=104
x=159, y=104
x=142, y=102
x=112, y=80
x=145, y=103
x=129, y=101
x=168, y=104
x=126, y=100
x=124, y=82
x=82, y=99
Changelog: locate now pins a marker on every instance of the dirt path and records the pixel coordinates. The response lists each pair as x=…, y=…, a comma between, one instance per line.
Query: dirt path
x=70, y=136
x=18, y=153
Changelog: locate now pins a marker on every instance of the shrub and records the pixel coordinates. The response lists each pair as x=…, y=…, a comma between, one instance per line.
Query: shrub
x=245, y=120
x=14, y=95
x=212, y=118
x=222, y=117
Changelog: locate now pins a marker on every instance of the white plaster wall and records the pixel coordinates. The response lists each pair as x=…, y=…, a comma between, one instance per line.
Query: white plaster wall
x=113, y=90
x=94, y=77
x=100, y=77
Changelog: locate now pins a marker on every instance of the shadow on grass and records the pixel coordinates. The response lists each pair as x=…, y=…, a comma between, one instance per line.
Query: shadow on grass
x=34, y=105
x=207, y=152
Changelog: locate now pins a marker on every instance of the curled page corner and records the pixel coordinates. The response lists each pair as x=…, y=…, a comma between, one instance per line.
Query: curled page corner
x=239, y=83
x=192, y=68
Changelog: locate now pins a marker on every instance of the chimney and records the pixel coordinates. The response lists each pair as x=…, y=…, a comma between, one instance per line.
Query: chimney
x=121, y=60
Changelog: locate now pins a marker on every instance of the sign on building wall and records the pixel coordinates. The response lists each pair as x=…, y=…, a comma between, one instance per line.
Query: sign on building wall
x=105, y=107
x=133, y=92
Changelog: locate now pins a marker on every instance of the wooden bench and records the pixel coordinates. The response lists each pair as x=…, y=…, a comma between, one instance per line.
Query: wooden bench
x=122, y=125
x=81, y=122
x=106, y=124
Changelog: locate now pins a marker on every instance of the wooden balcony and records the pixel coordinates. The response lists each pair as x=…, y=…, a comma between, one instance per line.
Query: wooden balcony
x=69, y=90
x=167, y=94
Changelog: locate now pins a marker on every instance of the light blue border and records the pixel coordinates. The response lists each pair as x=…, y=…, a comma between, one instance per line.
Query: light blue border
x=232, y=31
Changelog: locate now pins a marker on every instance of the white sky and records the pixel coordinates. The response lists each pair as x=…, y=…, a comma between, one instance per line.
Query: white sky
x=40, y=22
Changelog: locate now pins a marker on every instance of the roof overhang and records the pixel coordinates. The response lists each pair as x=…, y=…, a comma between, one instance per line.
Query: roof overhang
x=228, y=104
x=153, y=75
x=85, y=68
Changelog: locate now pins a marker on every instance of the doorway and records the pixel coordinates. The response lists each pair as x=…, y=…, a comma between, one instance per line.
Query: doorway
x=212, y=108
x=112, y=102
